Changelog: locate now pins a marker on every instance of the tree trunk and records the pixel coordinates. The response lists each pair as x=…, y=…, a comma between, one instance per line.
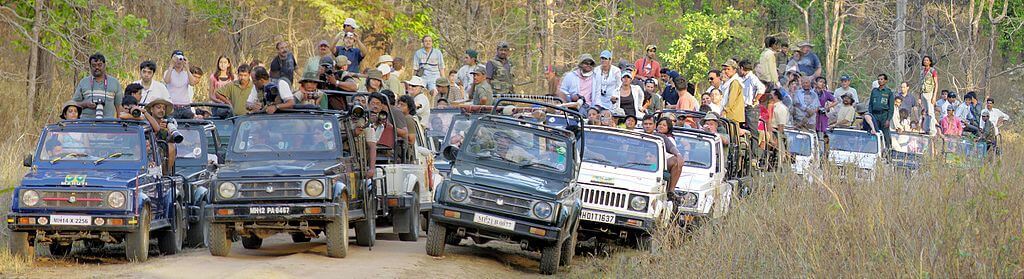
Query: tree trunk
x=33, y=60
x=901, y=41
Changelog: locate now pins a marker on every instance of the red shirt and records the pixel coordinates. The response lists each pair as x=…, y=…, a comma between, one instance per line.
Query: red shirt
x=647, y=68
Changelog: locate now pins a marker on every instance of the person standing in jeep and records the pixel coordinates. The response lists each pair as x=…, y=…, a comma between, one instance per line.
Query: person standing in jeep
x=279, y=94
x=499, y=70
x=880, y=106
x=99, y=91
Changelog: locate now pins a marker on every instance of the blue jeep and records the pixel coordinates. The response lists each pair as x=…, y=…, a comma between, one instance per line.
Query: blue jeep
x=299, y=172
x=99, y=181
x=198, y=156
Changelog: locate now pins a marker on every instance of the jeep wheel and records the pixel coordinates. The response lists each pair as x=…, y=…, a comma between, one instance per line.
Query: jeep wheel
x=300, y=238
x=219, y=241
x=136, y=244
x=252, y=242
x=366, y=230
x=196, y=236
x=58, y=250
x=20, y=246
x=171, y=240
x=550, y=257
x=569, y=248
x=413, y=215
x=337, y=231
x=437, y=237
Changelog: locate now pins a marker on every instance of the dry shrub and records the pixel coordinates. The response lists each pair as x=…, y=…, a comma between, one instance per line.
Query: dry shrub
x=940, y=222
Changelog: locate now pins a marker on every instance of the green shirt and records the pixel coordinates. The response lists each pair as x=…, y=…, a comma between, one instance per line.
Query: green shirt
x=108, y=90
x=238, y=95
x=482, y=91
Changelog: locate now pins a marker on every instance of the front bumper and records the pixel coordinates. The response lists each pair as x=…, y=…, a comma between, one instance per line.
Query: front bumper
x=691, y=218
x=456, y=217
x=629, y=224
x=267, y=212
x=29, y=222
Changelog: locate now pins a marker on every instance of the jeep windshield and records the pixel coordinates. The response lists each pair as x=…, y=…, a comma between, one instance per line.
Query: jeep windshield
x=192, y=145
x=283, y=136
x=910, y=144
x=91, y=146
x=457, y=132
x=799, y=144
x=696, y=152
x=620, y=151
x=853, y=141
x=505, y=146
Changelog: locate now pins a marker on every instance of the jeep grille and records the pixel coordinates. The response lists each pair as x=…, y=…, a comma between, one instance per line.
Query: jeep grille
x=600, y=197
x=499, y=202
x=272, y=189
x=62, y=199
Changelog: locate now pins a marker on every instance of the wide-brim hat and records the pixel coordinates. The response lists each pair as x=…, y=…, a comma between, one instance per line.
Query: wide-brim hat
x=68, y=104
x=385, y=58
x=805, y=43
x=342, y=60
x=351, y=22
x=586, y=56
x=479, y=69
x=442, y=81
x=384, y=69
x=375, y=74
x=309, y=76
x=160, y=101
x=416, y=81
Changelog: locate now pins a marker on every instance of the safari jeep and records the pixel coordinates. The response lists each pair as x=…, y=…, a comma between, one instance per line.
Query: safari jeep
x=297, y=172
x=804, y=148
x=197, y=161
x=855, y=152
x=704, y=189
x=98, y=181
x=405, y=179
x=512, y=181
x=624, y=195
x=909, y=151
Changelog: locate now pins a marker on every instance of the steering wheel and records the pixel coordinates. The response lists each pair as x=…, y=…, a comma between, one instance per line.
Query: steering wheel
x=259, y=147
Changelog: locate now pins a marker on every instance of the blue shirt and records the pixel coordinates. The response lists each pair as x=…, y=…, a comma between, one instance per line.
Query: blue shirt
x=355, y=56
x=808, y=64
x=670, y=94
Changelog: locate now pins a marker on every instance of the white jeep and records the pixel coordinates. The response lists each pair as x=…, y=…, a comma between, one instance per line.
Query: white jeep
x=703, y=189
x=856, y=152
x=408, y=194
x=804, y=148
x=624, y=190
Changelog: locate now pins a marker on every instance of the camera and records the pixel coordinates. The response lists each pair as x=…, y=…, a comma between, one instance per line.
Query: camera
x=136, y=112
x=172, y=128
x=180, y=57
x=99, y=106
x=270, y=93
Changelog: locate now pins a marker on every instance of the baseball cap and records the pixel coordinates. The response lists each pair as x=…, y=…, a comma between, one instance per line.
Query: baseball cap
x=472, y=53
x=323, y=43
x=585, y=57
x=503, y=45
x=178, y=52
x=627, y=74
x=442, y=81
x=479, y=70
x=652, y=47
x=351, y=22
x=844, y=78
x=606, y=54
x=731, y=63
x=951, y=95
x=384, y=58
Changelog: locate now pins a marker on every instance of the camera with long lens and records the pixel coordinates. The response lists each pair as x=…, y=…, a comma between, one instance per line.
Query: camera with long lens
x=99, y=106
x=172, y=128
x=270, y=93
x=136, y=112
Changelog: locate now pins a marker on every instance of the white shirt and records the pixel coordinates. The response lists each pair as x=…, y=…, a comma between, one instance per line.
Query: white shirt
x=156, y=90
x=725, y=88
x=752, y=87
x=839, y=92
x=282, y=88
x=465, y=78
x=422, y=106
x=178, y=87
x=611, y=83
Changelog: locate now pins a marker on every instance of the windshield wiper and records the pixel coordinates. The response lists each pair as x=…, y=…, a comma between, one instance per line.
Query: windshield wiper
x=111, y=156
x=69, y=155
x=642, y=164
x=695, y=163
x=597, y=160
x=492, y=154
x=533, y=164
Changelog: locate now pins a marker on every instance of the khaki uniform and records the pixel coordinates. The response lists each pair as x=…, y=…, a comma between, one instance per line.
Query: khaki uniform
x=482, y=91
x=501, y=79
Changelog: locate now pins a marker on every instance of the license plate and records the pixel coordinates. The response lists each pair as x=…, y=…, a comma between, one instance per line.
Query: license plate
x=495, y=221
x=71, y=220
x=597, y=217
x=269, y=210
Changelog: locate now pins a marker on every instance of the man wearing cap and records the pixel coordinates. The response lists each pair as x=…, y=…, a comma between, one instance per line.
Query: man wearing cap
x=733, y=106
x=844, y=89
x=428, y=62
x=646, y=67
x=809, y=64
x=767, y=68
x=499, y=70
x=386, y=59
x=391, y=81
x=415, y=87
x=177, y=79
x=482, y=93
x=610, y=78
x=465, y=73
x=308, y=94
x=282, y=66
x=752, y=91
x=352, y=45
x=237, y=92
x=323, y=50
x=988, y=132
x=881, y=106
x=582, y=84
x=342, y=79
x=444, y=91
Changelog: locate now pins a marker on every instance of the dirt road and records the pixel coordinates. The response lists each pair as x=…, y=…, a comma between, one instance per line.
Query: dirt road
x=280, y=258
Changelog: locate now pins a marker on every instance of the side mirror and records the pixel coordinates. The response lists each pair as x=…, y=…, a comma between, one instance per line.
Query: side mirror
x=27, y=161
x=450, y=152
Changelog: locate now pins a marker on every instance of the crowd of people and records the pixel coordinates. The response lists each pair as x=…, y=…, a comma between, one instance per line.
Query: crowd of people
x=783, y=88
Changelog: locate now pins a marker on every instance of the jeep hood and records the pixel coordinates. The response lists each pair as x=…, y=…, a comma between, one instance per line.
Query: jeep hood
x=801, y=164
x=622, y=178
x=242, y=169
x=693, y=180
x=80, y=177
x=510, y=181
x=861, y=160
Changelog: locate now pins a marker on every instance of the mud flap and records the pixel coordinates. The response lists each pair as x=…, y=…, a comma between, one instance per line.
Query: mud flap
x=400, y=206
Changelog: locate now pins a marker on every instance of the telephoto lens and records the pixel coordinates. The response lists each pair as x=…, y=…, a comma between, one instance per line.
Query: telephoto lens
x=136, y=112
x=99, y=107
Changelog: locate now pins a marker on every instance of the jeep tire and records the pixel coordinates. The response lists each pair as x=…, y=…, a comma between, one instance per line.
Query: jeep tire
x=366, y=230
x=196, y=236
x=569, y=247
x=171, y=239
x=437, y=237
x=413, y=215
x=136, y=244
x=337, y=231
x=58, y=250
x=252, y=242
x=219, y=241
x=551, y=258
x=20, y=246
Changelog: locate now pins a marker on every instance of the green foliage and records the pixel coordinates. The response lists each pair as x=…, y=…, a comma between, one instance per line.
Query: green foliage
x=706, y=39
x=417, y=23
x=1010, y=40
x=217, y=13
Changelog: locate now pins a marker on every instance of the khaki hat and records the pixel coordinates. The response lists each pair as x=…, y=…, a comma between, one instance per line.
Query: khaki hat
x=442, y=81
x=341, y=60
x=805, y=43
x=384, y=69
x=585, y=57
x=68, y=104
x=479, y=70
x=375, y=74
x=351, y=22
x=416, y=81
x=160, y=101
x=384, y=58
x=731, y=63
x=650, y=47
x=310, y=76
x=711, y=116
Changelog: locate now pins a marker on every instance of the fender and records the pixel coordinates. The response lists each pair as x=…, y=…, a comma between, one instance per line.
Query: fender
x=411, y=180
x=199, y=194
x=338, y=188
x=141, y=201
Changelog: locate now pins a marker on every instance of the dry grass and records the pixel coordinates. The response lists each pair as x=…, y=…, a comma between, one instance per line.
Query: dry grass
x=942, y=222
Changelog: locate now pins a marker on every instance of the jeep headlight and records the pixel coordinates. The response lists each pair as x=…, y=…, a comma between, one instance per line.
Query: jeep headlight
x=314, y=188
x=115, y=199
x=226, y=190
x=638, y=203
x=458, y=193
x=687, y=199
x=30, y=198
x=542, y=210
